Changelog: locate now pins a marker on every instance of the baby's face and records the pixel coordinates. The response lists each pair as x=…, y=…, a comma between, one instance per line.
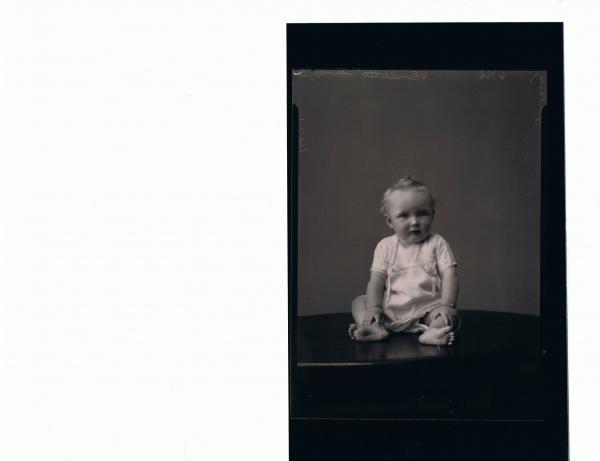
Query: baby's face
x=410, y=215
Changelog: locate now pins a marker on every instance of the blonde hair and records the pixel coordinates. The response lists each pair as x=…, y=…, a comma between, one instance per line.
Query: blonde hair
x=404, y=183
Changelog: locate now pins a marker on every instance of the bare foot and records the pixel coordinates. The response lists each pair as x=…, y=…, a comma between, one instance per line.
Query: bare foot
x=437, y=336
x=368, y=333
x=351, y=330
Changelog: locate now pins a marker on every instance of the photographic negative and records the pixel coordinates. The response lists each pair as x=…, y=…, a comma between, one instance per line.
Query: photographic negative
x=419, y=237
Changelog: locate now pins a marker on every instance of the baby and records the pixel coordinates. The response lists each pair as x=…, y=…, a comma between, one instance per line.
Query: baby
x=413, y=285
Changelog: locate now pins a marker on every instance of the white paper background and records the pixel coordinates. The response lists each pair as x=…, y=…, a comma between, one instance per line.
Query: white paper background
x=143, y=277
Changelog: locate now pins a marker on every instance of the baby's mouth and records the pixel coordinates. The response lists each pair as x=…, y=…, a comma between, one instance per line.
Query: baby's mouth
x=414, y=231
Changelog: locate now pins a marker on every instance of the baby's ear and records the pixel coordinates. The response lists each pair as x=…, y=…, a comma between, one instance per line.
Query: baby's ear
x=388, y=221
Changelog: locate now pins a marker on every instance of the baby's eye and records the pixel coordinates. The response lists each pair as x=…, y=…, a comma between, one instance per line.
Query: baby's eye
x=423, y=213
x=403, y=215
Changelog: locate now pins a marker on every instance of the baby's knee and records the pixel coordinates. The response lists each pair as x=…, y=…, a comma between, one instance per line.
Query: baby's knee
x=360, y=302
x=449, y=316
x=359, y=306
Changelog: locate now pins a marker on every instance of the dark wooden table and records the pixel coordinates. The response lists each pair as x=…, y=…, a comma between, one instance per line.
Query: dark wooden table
x=482, y=398
x=493, y=371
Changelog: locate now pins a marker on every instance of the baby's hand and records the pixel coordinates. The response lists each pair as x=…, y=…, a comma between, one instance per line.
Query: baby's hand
x=372, y=315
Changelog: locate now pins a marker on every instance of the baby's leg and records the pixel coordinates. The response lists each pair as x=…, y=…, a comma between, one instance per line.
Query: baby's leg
x=443, y=316
x=359, y=308
x=362, y=332
x=442, y=323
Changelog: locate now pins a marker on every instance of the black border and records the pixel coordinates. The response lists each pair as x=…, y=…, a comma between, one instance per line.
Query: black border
x=467, y=46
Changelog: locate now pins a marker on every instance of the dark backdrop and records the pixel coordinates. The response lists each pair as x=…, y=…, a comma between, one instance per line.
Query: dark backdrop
x=473, y=137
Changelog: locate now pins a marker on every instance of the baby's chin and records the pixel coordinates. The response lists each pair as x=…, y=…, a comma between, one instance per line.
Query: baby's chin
x=415, y=237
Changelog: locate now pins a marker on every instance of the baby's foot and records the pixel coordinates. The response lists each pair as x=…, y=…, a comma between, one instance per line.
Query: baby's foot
x=437, y=336
x=351, y=330
x=369, y=333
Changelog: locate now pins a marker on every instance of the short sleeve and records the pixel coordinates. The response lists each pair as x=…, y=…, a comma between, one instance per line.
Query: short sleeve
x=445, y=257
x=381, y=257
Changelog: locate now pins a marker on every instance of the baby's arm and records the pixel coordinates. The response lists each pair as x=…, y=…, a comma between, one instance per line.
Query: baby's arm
x=440, y=323
x=449, y=286
x=446, y=314
x=375, y=289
